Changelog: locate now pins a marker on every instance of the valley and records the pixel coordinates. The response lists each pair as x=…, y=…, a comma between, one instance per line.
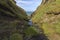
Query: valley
x=19, y=24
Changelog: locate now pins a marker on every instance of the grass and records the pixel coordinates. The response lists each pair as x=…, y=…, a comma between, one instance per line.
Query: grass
x=45, y=14
x=30, y=31
x=11, y=17
x=16, y=36
x=10, y=8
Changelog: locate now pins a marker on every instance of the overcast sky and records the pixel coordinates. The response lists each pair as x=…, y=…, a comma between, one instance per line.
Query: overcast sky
x=29, y=5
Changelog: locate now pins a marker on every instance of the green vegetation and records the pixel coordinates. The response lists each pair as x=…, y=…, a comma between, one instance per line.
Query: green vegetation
x=48, y=16
x=16, y=36
x=30, y=31
x=9, y=7
x=12, y=20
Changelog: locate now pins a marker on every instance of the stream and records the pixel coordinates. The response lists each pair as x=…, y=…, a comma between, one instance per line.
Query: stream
x=40, y=36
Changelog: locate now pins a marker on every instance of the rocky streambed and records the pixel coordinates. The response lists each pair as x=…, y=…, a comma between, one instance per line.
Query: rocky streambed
x=40, y=32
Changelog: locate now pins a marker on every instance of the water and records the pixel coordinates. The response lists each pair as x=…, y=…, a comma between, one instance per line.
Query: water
x=30, y=22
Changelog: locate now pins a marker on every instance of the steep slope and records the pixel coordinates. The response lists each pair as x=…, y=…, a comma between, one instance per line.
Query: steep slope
x=13, y=20
x=47, y=16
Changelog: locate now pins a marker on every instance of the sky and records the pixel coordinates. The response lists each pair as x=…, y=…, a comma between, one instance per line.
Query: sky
x=28, y=5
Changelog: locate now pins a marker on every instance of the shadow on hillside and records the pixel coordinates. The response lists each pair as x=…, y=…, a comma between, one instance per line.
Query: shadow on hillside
x=39, y=37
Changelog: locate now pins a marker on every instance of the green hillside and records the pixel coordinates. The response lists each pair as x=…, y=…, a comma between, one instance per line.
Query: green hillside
x=14, y=23
x=13, y=20
x=47, y=16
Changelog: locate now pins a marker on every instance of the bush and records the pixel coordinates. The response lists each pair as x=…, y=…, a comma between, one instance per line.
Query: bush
x=30, y=31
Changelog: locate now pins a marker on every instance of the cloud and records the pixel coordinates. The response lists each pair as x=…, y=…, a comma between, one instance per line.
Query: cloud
x=27, y=0
x=24, y=2
x=28, y=5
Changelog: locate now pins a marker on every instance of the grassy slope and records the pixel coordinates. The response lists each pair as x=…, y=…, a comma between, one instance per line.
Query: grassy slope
x=48, y=17
x=12, y=20
x=12, y=9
